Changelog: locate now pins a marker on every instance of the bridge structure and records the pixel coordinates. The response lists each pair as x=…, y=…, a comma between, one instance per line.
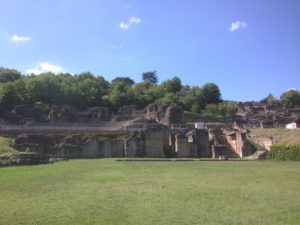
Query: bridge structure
x=9, y=129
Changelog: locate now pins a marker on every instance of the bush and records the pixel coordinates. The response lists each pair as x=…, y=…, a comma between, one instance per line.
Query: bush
x=285, y=152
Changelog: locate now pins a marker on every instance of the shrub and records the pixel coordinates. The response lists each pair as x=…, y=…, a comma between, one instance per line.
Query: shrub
x=285, y=152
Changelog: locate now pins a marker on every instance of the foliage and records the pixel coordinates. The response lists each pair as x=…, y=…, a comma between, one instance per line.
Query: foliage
x=171, y=86
x=285, y=152
x=290, y=98
x=87, y=90
x=223, y=109
x=7, y=75
x=7, y=151
x=211, y=93
x=270, y=100
x=195, y=99
x=150, y=77
x=126, y=80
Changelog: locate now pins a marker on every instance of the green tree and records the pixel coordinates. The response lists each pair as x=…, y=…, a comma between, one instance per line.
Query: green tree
x=7, y=75
x=192, y=99
x=12, y=94
x=44, y=88
x=172, y=86
x=226, y=109
x=150, y=77
x=126, y=80
x=211, y=93
x=120, y=94
x=290, y=98
x=270, y=100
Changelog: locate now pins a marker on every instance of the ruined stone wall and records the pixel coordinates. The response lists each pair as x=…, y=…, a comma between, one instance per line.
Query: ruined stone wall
x=155, y=140
x=235, y=143
x=263, y=142
x=219, y=150
x=111, y=148
x=173, y=115
x=135, y=146
x=183, y=148
x=202, y=141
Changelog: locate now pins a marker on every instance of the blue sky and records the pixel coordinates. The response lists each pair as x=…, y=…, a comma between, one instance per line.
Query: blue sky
x=248, y=48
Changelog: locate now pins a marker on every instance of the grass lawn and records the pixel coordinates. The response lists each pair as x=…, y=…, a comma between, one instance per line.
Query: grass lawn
x=103, y=191
x=280, y=135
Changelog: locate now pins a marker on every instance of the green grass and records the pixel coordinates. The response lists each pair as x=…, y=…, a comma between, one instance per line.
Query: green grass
x=280, y=135
x=103, y=191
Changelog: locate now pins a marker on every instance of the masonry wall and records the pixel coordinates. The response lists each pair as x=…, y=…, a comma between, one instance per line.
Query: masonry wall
x=135, y=146
x=155, y=140
x=183, y=148
x=91, y=149
x=202, y=142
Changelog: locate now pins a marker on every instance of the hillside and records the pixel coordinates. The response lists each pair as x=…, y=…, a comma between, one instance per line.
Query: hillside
x=280, y=135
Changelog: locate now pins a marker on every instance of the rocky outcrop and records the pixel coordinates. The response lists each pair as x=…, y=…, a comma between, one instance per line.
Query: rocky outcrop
x=29, y=111
x=164, y=114
x=173, y=115
x=129, y=112
x=262, y=142
x=265, y=116
x=21, y=114
x=156, y=112
x=71, y=114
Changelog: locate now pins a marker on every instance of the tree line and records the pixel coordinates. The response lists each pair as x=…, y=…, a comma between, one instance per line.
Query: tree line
x=87, y=90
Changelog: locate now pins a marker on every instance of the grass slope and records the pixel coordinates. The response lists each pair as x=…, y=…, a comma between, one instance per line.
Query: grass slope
x=103, y=191
x=280, y=135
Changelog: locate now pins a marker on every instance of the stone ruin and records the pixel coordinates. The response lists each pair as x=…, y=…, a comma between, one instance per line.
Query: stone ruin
x=164, y=133
x=261, y=115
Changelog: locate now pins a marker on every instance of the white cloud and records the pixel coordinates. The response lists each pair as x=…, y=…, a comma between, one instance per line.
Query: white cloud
x=131, y=21
x=17, y=39
x=237, y=25
x=44, y=67
x=124, y=26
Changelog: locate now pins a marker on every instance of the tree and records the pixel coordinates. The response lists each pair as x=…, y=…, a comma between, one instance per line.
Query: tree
x=12, y=94
x=223, y=109
x=86, y=75
x=226, y=109
x=290, y=98
x=119, y=95
x=126, y=80
x=172, y=86
x=211, y=93
x=270, y=100
x=150, y=77
x=7, y=75
x=44, y=88
x=193, y=99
